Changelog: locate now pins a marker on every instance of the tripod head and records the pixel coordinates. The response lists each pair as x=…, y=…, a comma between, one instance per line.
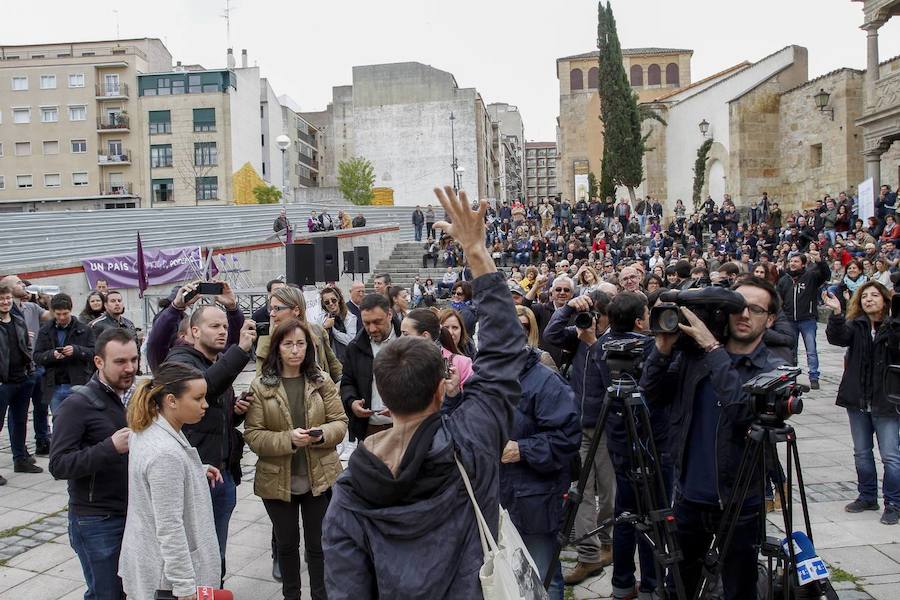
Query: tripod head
x=624, y=357
x=775, y=396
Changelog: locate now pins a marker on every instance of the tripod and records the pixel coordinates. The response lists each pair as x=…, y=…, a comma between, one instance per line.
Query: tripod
x=653, y=520
x=761, y=452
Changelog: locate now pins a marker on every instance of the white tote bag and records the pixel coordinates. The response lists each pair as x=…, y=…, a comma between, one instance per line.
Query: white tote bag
x=508, y=572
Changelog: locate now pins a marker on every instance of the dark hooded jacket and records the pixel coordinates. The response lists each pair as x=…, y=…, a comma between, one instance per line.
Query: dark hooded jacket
x=414, y=535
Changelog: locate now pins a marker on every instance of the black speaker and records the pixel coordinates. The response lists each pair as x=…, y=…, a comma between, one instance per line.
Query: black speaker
x=327, y=266
x=362, y=259
x=349, y=261
x=300, y=268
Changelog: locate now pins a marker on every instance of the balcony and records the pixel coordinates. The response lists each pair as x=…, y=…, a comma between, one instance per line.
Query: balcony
x=307, y=182
x=309, y=139
x=116, y=189
x=118, y=123
x=309, y=162
x=118, y=91
x=105, y=158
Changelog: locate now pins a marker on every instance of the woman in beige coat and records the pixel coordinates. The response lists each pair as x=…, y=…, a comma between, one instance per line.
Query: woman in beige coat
x=294, y=423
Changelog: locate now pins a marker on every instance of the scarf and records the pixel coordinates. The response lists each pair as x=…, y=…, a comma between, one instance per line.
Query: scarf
x=854, y=284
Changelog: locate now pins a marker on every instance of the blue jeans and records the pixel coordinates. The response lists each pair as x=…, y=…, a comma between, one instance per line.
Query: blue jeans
x=542, y=546
x=16, y=397
x=60, y=393
x=887, y=431
x=625, y=536
x=807, y=330
x=418, y=232
x=39, y=414
x=97, y=540
x=224, y=499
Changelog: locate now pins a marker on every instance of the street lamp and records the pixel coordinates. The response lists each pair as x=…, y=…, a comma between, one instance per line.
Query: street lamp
x=453, y=164
x=704, y=127
x=821, y=100
x=458, y=172
x=283, y=142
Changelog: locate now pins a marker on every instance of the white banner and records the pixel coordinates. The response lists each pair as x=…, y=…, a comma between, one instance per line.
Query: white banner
x=866, y=200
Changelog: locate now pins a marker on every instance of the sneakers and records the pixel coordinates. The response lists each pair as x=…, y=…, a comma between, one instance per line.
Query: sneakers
x=583, y=570
x=42, y=449
x=25, y=466
x=813, y=384
x=858, y=506
x=891, y=515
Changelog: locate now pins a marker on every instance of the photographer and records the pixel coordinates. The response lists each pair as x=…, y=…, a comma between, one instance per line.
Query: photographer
x=872, y=336
x=587, y=383
x=710, y=412
x=628, y=320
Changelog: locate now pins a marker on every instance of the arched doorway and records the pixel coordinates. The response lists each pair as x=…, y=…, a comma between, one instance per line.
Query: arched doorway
x=716, y=181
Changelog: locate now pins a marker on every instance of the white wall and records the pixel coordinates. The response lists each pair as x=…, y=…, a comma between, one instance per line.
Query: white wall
x=245, y=124
x=683, y=136
x=271, y=127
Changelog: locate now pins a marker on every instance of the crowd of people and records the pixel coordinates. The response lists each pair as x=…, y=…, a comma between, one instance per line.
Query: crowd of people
x=490, y=372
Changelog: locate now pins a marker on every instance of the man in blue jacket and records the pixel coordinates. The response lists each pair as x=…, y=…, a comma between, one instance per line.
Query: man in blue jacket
x=400, y=524
x=710, y=413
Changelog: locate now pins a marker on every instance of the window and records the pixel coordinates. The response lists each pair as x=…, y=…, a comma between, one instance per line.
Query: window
x=78, y=112
x=204, y=119
x=637, y=76
x=163, y=190
x=23, y=148
x=195, y=84
x=115, y=148
x=1, y=149
x=161, y=156
x=160, y=121
x=2, y=182
x=815, y=155
x=51, y=180
x=19, y=84
x=21, y=115
x=80, y=179
x=24, y=182
x=48, y=82
x=672, y=74
x=576, y=80
x=76, y=80
x=207, y=188
x=51, y=147
x=206, y=154
x=79, y=146
x=594, y=78
x=114, y=205
x=49, y=114
x=654, y=75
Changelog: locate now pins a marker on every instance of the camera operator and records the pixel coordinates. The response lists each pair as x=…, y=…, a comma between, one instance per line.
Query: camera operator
x=629, y=320
x=710, y=413
x=584, y=376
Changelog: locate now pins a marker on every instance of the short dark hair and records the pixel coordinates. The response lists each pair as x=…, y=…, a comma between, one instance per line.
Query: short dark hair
x=763, y=284
x=114, y=334
x=385, y=276
x=272, y=364
x=407, y=372
x=272, y=282
x=61, y=302
x=802, y=258
x=373, y=301
x=466, y=288
x=197, y=315
x=683, y=268
x=624, y=309
x=111, y=292
x=729, y=268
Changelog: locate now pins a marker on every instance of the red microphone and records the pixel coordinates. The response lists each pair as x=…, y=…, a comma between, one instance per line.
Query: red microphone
x=203, y=593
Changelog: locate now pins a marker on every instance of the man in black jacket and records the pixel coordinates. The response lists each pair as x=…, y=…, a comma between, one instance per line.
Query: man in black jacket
x=90, y=450
x=799, y=292
x=215, y=437
x=15, y=386
x=65, y=348
x=710, y=413
x=360, y=396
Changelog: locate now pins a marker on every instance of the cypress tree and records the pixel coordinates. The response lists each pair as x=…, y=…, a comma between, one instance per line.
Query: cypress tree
x=623, y=145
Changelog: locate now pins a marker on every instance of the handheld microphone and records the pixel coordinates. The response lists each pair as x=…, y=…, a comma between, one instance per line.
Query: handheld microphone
x=809, y=567
x=203, y=593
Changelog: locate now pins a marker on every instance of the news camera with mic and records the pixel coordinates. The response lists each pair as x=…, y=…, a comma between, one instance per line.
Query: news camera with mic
x=713, y=305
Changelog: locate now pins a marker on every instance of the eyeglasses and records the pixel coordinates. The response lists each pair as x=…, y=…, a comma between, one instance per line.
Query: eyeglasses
x=561, y=290
x=459, y=293
x=292, y=345
x=757, y=310
x=330, y=301
x=277, y=308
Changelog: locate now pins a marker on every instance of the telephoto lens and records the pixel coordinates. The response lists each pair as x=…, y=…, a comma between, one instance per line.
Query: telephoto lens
x=585, y=320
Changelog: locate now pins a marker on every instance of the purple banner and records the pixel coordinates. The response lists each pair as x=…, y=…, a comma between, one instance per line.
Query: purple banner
x=163, y=266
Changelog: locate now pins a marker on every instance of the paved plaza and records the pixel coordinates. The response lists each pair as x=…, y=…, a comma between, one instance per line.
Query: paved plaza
x=38, y=564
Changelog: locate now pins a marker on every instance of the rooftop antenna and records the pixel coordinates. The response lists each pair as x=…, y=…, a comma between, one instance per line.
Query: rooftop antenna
x=116, y=12
x=227, y=16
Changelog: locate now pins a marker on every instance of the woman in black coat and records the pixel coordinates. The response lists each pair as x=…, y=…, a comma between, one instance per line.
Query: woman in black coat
x=872, y=336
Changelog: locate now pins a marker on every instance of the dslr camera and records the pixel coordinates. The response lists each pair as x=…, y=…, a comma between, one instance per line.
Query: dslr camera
x=776, y=395
x=585, y=320
x=712, y=305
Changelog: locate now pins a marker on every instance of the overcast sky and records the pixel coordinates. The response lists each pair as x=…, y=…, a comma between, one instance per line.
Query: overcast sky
x=504, y=48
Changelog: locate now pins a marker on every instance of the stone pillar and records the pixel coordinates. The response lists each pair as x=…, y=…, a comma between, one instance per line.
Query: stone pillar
x=871, y=61
x=873, y=168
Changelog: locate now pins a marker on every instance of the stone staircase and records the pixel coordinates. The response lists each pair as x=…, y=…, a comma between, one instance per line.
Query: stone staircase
x=404, y=263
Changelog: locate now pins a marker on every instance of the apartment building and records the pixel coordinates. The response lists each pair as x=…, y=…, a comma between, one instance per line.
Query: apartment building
x=540, y=171
x=68, y=123
x=302, y=157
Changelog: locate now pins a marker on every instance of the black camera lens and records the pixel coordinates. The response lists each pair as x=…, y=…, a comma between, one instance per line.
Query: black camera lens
x=584, y=320
x=668, y=320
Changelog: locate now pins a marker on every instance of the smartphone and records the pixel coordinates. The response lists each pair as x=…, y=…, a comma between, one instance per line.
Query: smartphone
x=262, y=329
x=210, y=288
x=59, y=349
x=447, y=368
x=316, y=433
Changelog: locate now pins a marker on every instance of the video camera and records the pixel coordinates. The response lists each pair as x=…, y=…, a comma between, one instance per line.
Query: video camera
x=712, y=305
x=776, y=394
x=624, y=356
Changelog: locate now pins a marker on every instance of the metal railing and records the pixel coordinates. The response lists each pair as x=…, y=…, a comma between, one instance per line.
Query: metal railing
x=310, y=162
x=119, y=90
x=106, y=158
x=115, y=189
x=116, y=122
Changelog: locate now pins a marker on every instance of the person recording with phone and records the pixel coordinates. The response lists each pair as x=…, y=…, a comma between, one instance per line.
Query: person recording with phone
x=702, y=386
x=337, y=320
x=293, y=426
